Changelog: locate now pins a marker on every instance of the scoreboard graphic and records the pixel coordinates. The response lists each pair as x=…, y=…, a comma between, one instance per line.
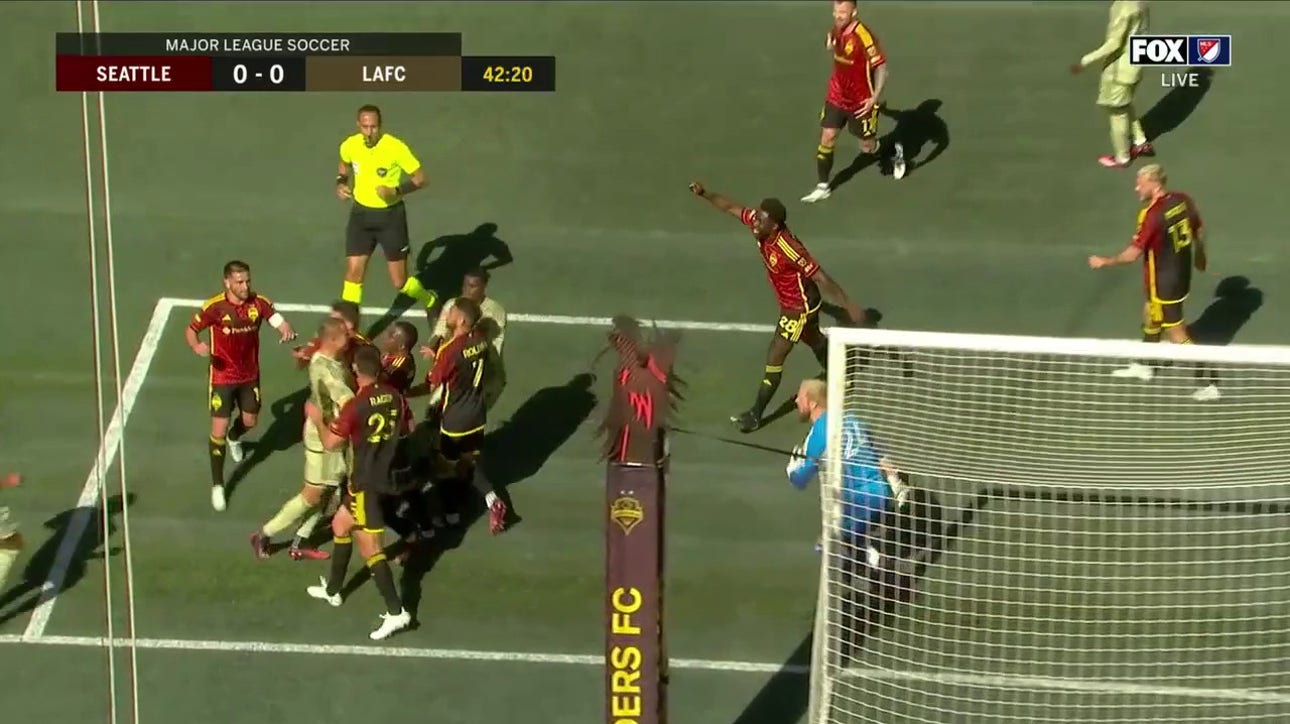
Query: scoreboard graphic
x=286, y=62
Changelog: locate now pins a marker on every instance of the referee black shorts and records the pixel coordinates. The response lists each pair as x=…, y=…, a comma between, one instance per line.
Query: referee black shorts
x=369, y=228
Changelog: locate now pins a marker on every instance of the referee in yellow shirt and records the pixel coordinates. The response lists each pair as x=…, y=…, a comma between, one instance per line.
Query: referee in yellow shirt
x=376, y=171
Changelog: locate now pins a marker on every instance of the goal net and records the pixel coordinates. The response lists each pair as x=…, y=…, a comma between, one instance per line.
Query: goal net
x=1073, y=545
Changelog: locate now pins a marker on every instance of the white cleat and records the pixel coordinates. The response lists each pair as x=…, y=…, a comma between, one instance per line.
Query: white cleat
x=235, y=451
x=391, y=624
x=898, y=168
x=217, y=498
x=320, y=592
x=1208, y=393
x=1135, y=370
x=820, y=193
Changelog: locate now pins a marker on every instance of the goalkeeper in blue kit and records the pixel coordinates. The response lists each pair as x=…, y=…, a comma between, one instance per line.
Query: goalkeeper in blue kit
x=870, y=483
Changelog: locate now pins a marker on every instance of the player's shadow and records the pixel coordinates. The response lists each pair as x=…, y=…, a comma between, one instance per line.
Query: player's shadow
x=442, y=262
x=912, y=540
x=513, y=452
x=283, y=433
x=915, y=129
x=23, y=595
x=1235, y=301
x=1177, y=105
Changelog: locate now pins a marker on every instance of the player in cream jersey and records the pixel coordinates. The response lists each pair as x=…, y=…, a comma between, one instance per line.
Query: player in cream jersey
x=330, y=387
x=1118, y=82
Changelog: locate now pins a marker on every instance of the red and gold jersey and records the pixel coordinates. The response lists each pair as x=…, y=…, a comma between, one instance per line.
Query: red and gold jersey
x=1167, y=229
x=789, y=267
x=399, y=371
x=235, y=336
x=856, y=55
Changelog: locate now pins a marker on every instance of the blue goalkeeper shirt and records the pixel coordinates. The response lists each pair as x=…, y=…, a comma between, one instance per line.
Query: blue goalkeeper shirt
x=866, y=494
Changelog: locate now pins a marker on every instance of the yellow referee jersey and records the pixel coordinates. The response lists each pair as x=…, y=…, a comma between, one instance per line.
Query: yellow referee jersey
x=384, y=164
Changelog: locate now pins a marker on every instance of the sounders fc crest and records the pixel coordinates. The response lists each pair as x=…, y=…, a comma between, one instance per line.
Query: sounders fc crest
x=627, y=512
x=253, y=314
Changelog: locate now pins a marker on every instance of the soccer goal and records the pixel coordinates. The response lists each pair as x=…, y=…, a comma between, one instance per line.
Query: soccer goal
x=1094, y=531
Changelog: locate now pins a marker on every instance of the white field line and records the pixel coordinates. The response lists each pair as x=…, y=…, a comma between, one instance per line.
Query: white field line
x=87, y=503
x=531, y=318
x=992, y=681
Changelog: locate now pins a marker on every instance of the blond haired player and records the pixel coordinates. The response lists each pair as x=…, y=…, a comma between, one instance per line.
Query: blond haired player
x=1118, y=82
x=1170, y=240
x=10, y=538
x=330, y=387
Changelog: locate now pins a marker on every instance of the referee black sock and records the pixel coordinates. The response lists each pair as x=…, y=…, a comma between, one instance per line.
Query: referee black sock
x=823, y=163
x=341, y=550
x=216, y=451
x=384, y=579
x=237, y=430
x=769, y=384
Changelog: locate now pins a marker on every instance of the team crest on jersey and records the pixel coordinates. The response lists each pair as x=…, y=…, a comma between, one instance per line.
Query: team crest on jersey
x=850, y=47
x=772, y=259
x=627, y=512
x=253, y=314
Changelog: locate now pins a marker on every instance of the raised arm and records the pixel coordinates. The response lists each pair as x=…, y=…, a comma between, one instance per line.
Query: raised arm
x=721, y=202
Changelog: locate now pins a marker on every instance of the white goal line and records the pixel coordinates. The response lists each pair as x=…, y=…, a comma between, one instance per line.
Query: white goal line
x=990, y=681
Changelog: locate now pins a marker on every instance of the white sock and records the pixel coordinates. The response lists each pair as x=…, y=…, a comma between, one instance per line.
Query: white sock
x=490, y=498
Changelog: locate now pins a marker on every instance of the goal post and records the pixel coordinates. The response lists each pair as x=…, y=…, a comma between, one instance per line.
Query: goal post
x=1083, y=540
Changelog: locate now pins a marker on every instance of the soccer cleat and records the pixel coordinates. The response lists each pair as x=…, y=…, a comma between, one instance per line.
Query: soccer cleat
x=235, y=451
x=260, y=544
x=1142, y=149
x=1110, y=161
x=747, y=421
x=320, y=592
x=1135, y=370
x=819, y=193
x=898, y=168
x=217, y=498
x=308, y=554
x=1208, y=393
x=497, y=517
x=391, y=624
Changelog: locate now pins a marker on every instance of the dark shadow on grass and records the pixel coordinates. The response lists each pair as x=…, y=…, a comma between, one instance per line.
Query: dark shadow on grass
x=1176, y=106
x=283, y=433
x=442, y=262
x=915, y=129
x=785, y=697
x=24, y=594
x=1235, y=301
x=513, y=452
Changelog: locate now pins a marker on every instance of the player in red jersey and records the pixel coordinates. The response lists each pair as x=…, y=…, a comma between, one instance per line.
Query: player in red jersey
x=399, y=368
x=11, y=542
x=855, y=89
x=1170, y=240
x=797, y=279
x=458, y=380
x=234, y=318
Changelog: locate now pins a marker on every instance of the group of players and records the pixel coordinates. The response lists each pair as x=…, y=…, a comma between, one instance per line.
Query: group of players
x=358, y=428
x=358, y=419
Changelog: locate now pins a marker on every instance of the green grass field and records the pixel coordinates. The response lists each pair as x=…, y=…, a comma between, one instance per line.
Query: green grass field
x=586, y=188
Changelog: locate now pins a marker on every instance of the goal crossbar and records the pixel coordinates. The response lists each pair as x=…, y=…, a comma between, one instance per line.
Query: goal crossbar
x=1250, y=354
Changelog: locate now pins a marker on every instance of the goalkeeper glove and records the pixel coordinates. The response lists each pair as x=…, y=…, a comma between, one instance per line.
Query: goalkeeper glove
x=899, y=490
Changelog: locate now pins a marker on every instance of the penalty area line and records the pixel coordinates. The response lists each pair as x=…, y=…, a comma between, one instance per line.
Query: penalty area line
x=557, y=319
x=989, y=681
x=88, y=502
